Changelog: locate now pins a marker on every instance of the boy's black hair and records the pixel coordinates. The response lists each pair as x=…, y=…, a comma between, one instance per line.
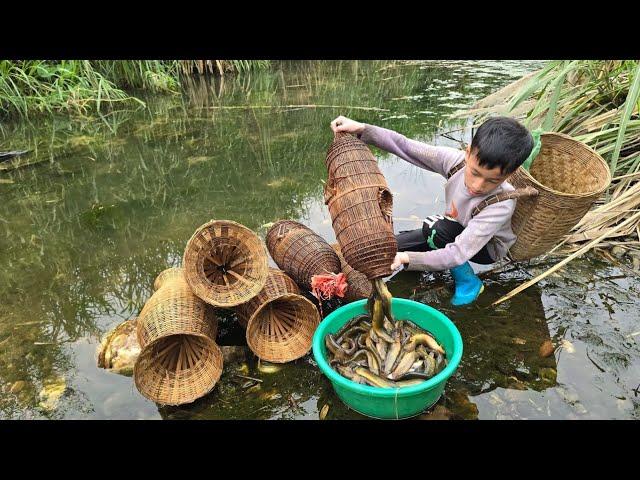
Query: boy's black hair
x=502, y=142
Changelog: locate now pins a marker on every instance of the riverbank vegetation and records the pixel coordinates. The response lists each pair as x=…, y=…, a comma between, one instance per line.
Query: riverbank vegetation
x=598, y=103
x=31, y=87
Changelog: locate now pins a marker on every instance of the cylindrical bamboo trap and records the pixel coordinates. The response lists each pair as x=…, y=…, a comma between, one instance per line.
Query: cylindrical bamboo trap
x=300, y=252
x=280, y=322
x=176, y=274
x=569, y=177
x=225, y=263
x=180, y=361
x=169, y=274
x=360, y=204
x=358, y=285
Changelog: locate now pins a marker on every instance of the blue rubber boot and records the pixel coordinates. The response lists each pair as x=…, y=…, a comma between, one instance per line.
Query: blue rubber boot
x=468, y=285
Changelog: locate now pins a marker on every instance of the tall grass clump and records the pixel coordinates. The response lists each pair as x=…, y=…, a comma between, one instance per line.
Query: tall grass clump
x=30, y=87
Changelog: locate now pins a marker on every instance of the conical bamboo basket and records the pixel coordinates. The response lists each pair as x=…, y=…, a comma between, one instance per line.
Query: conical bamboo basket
x=280, y=322
x=225, y=263
x=179, y=361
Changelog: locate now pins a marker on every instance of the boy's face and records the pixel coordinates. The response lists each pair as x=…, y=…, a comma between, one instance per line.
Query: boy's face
x=480, y=180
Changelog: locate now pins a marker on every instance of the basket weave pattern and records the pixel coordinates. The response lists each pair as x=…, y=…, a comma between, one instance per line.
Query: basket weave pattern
x=359, y=286
x=168, y=274
x=360, y=204
x=300, y=252
x=277, y=281
x=570, y=177
x=280, y=322
x=225, y=263
x=180, y=360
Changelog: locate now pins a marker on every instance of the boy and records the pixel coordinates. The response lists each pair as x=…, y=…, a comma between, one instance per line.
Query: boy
x=449, y=241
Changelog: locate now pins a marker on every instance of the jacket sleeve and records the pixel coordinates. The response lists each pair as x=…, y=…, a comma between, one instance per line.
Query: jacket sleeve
x=435, y=159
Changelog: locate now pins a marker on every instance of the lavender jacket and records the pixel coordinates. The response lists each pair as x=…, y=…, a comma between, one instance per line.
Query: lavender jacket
x=491, y=227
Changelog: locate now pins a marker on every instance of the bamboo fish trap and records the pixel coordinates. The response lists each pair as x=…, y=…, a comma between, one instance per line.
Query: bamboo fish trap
x=359, y=287
x=280, y=322
x=180, y=360
x=360, y=204
x=300, y=252
x=225, y=263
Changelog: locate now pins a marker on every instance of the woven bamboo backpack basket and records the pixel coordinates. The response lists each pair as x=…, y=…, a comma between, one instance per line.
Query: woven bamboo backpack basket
x=569, y=177
x=179, y=360
x=360, y=204
x=280, y=322
x=225, y=263
x=300, y=252
x=359, y=286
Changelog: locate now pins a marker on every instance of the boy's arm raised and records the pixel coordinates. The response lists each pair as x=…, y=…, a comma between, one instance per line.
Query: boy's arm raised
x=423, y=155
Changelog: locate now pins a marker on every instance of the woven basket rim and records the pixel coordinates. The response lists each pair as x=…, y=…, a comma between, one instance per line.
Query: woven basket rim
x=194, y=334
x=288, y=297
x=284, y=296
x=262, y=256
x=184, y=399
x=208, y=224
x=543, y=188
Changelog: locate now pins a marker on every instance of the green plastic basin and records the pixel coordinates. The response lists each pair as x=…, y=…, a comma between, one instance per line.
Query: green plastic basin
x=391, y=403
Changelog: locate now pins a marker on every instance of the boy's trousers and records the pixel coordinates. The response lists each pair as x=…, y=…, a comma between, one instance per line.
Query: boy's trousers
x=436, y=232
